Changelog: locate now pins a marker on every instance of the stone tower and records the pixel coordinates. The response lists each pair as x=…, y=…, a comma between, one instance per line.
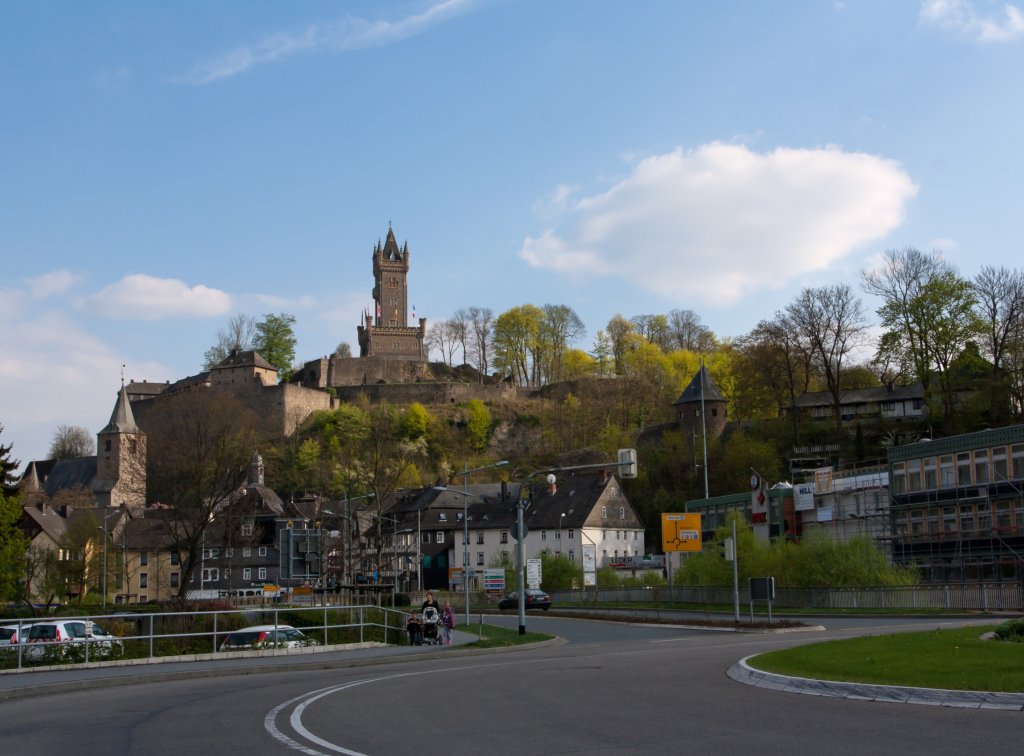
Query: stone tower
x=702, y=391
x=385, y=331
x=121, y=459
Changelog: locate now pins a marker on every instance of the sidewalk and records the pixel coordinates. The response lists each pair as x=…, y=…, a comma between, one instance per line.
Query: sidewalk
x=35, y=681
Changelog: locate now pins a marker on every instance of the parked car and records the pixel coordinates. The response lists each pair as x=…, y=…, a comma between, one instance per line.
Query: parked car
x=62, y=640
x=266, y=636
x=535, y=599
x=9, y=635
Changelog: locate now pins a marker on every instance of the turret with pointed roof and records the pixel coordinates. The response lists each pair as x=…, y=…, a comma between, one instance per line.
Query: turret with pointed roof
x=701, y=393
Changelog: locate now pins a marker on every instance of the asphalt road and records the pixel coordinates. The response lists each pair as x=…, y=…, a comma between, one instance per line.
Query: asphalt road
x=608, y=689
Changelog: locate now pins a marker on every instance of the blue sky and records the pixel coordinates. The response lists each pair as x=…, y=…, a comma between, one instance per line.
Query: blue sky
x=167, y=165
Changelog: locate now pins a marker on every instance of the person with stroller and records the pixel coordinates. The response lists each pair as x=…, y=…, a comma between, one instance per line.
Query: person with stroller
x=430, y=601
x=448, y=622
x=415, y=629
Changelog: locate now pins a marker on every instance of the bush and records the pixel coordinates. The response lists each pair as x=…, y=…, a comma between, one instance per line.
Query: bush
x=1012, y=631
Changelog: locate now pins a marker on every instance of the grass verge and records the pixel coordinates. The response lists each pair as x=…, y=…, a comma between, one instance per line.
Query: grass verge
x=953, y=659
x=498, y=637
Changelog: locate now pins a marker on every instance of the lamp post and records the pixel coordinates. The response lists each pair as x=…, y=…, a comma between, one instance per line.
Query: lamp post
x=105, y=533
x=522, y=504
x=465, y=527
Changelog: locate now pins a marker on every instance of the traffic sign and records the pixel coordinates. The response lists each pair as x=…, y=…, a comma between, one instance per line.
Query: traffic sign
x=680, y=532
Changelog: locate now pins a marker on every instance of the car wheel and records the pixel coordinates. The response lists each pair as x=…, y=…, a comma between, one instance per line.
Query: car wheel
x=546, y=608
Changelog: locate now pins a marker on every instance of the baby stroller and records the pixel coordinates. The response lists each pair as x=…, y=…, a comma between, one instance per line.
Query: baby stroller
x=431, y=626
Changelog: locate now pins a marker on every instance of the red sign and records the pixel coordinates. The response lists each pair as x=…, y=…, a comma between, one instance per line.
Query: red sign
x=759, y=518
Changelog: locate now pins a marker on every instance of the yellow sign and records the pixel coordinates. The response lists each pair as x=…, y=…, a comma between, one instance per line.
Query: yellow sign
x=680, y=532
x=268, y=588
x=302, y=590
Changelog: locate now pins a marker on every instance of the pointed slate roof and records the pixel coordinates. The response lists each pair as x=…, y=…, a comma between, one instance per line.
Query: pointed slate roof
x=391, y=250
x=244, y=358
x=692, y=393
x=121, y=419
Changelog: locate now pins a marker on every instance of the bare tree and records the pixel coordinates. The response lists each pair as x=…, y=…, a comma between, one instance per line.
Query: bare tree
x=832, y=321
x=1000, y=295
x=654, y=328
x=559, y=329
x=619, y=331
x=481, y=321
x=239, y=334
x=685, y=331
x=72, y=442
x=459, y=330
x=198, y=455
x=343, y=350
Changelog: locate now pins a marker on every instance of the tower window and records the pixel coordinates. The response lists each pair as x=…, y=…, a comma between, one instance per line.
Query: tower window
x=106, y=445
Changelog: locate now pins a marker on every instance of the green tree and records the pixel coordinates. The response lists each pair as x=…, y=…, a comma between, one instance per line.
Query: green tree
x=415, y=421
x=515, y=343
x=8, y=468
x=559, y=573
x=13, y=543
x=478, y=425
x=275, y=341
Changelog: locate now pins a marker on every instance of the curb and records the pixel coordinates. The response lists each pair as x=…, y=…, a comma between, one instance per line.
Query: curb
x=967, y=699
x=146, y=675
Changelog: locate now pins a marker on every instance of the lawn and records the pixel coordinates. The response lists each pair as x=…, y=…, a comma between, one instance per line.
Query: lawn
x=954, y=659
x=497, y=637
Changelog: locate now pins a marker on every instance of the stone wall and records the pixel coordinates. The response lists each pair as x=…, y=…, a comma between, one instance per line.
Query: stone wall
x=427, y=393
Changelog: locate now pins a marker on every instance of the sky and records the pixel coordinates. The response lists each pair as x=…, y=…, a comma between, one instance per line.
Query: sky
x=165, y=166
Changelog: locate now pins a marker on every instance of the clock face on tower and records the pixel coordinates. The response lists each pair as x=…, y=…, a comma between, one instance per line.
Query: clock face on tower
x=755, y=481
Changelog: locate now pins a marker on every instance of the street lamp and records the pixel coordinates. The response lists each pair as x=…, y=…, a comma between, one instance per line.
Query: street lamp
x=521, y=505
x=105, y=533
x=465, y=523
x=465, y=527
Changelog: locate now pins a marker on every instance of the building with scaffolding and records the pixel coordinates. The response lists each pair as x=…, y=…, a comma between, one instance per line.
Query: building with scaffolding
x=957, y=506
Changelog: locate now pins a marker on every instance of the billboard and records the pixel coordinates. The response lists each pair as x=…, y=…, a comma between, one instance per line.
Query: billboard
x=803, y=497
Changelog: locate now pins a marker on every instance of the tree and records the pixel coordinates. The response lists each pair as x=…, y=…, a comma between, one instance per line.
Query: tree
x=481, y=321
x=8, y=467
x=478, y=425
x=557, y=330
x=831, y=321
x=72, y=442
x=275, y=341
x=343, y=350
x=459, y=331
x=199, y=452
x=685, y=331
x=928, y=315
x=654, y=328
x=239, y=335
x=619, y=331
x=1000, y=304
x=13, y=544
x=602, y=352
x=515, y=342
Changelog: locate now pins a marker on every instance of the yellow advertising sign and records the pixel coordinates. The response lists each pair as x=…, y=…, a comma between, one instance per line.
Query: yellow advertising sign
x=680, y=532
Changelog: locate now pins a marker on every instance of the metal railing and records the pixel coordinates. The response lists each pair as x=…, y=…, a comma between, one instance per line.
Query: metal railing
x=197, y=634
x=984, y=597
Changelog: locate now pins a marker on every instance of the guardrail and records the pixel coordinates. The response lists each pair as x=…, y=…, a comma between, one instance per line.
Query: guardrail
x=985, y=597
x=175, y=634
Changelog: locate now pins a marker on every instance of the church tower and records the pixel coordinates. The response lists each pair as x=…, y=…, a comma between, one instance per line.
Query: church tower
x=121, y=459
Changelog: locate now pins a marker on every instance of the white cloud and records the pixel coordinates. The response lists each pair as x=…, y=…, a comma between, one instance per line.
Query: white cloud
x=721, y=221
x=61, y=374
x=49, y=284
x=142, y=297
x=963, y=17
x=328, y=37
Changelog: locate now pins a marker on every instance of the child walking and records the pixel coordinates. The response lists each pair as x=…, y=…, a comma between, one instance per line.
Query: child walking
x=448, y=622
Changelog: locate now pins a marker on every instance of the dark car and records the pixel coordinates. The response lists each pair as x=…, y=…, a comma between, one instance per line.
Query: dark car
x=535, y=599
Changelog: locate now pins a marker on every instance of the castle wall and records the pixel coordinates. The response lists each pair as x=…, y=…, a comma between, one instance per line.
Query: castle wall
x=345, y=372
x=427, y=393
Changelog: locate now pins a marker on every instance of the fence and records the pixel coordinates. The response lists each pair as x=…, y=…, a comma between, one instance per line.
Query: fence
x=191, y=635
x=954, y=597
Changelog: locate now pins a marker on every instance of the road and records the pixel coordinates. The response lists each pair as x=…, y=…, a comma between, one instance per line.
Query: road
x=608, y=689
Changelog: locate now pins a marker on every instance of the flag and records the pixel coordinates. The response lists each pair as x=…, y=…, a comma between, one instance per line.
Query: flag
x=414, y=312
x=378, y=309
